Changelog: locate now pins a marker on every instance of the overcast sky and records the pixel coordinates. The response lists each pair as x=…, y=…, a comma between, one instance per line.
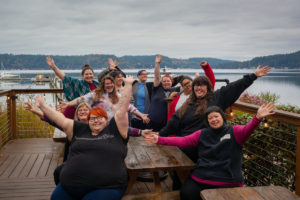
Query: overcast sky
x=235, y=29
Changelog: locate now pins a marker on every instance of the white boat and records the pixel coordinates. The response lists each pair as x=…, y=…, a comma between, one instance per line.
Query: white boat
x=4, y=75
x=163, y=71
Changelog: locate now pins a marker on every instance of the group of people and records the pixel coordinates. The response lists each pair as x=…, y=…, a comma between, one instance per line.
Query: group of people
x=99, y=117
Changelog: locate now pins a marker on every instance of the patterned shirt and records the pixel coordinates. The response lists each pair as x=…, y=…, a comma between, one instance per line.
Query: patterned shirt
x=74, y=87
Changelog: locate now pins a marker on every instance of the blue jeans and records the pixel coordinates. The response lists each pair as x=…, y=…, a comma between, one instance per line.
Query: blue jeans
x=74, y=193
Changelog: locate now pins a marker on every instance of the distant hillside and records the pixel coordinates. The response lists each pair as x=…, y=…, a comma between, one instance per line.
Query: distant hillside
x=11, y=61
x=291, y=61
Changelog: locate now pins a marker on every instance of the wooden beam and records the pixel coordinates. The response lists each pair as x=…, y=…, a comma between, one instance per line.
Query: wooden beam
x=297, y=178
x=283, y=116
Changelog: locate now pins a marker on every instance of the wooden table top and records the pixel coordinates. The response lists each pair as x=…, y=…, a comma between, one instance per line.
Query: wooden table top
x=249, y=193
x=143, y=157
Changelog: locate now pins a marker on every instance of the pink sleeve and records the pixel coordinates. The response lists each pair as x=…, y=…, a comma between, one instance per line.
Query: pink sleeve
x=242, y=133
x=210, y=74
x=186, y=141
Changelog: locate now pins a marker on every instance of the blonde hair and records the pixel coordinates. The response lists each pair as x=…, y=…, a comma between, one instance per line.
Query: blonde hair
x=79, y=106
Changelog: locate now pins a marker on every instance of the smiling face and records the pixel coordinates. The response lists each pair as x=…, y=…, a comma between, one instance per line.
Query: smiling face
x=166, y=83
x=200, y=90
x=97, y=124
x=143, y=76
x=88, y=76
x=82, y=113
x=119, y=80
x=187, y=86
x=108, y=86
x=215, y=120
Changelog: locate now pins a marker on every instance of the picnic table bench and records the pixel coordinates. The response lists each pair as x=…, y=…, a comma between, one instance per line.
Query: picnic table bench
x=249, y=193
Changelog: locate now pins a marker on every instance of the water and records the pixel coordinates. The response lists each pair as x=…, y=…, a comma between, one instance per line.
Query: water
x=285, y=83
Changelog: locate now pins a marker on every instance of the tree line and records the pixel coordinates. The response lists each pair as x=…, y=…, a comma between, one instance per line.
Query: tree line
x=98, y=61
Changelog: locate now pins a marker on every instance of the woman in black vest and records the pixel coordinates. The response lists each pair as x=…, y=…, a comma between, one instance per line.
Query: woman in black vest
x=219, y=162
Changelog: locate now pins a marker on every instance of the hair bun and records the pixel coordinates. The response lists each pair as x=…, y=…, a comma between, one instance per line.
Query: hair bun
x=86, y=66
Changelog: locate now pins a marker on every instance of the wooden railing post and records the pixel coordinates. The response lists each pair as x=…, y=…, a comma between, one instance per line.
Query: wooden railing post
x=12, y=114
x=297, y=178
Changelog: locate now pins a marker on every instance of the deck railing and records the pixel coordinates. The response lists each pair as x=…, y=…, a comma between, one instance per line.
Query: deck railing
x=270, y=153
x=15, y=122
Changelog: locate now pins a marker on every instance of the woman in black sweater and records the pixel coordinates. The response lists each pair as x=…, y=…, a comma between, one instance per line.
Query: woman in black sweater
x=190, y=117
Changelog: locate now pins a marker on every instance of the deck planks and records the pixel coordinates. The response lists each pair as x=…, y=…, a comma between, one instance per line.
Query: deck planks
x=27, y=165
x=26, y=168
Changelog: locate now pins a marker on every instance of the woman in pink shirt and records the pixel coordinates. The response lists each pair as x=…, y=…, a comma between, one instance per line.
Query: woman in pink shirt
x=219, y=146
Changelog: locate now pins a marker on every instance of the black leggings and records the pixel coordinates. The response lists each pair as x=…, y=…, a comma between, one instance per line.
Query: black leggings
x=190, y=190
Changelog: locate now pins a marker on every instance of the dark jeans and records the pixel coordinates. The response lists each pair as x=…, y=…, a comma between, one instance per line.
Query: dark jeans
x=190, y=190
x=77, y=193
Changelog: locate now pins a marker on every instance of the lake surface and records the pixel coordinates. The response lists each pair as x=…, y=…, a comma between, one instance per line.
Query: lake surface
x=285, y=83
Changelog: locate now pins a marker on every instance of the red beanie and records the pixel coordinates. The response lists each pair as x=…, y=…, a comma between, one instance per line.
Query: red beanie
x=98, y=111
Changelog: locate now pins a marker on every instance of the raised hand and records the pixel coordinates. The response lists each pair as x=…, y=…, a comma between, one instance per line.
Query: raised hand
x=39, y=100
x=262, y=71
x=158, y=59
x=265, y=110
x=203, y=63
x=62, y=105
x=28, y=106
x=50, y=61
x=151, y=139
x=112, y=64
x=128, y=80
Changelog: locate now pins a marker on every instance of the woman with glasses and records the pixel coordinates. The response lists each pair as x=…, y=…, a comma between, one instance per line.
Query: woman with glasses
x=190, y=117
x=96, y=168
x=186, y=84
x=107, y=97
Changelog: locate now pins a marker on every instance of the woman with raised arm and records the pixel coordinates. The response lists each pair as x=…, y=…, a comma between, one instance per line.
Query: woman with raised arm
x=162, y=88
x=95, y=167
x=106, y=97
x=73, y=87
x=219, y=160
x=190, y=117
x=186, y=84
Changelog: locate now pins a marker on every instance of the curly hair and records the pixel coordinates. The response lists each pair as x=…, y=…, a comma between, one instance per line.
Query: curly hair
x=99, y=91
x=199, y=103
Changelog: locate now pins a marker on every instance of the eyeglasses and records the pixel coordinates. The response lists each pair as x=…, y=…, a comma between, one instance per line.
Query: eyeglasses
x=143, y=74
x=98, y=118
x=186, y=84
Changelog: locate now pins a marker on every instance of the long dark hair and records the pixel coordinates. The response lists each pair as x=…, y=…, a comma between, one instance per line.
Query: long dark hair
x=199, y=103
x=86, y=67
x=100, y=90
x=211, y=109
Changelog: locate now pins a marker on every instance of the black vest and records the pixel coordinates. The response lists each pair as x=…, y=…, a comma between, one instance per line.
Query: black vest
x=219, y=156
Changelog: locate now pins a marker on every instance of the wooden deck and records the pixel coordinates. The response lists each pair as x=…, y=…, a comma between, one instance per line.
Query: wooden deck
x=27, y=165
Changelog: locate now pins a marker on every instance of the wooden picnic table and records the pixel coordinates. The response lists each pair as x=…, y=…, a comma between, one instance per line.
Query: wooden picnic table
x=249, y=193
x=154, y=158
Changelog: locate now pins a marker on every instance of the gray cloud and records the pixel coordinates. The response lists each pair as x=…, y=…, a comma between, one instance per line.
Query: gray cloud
x=231, y=30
